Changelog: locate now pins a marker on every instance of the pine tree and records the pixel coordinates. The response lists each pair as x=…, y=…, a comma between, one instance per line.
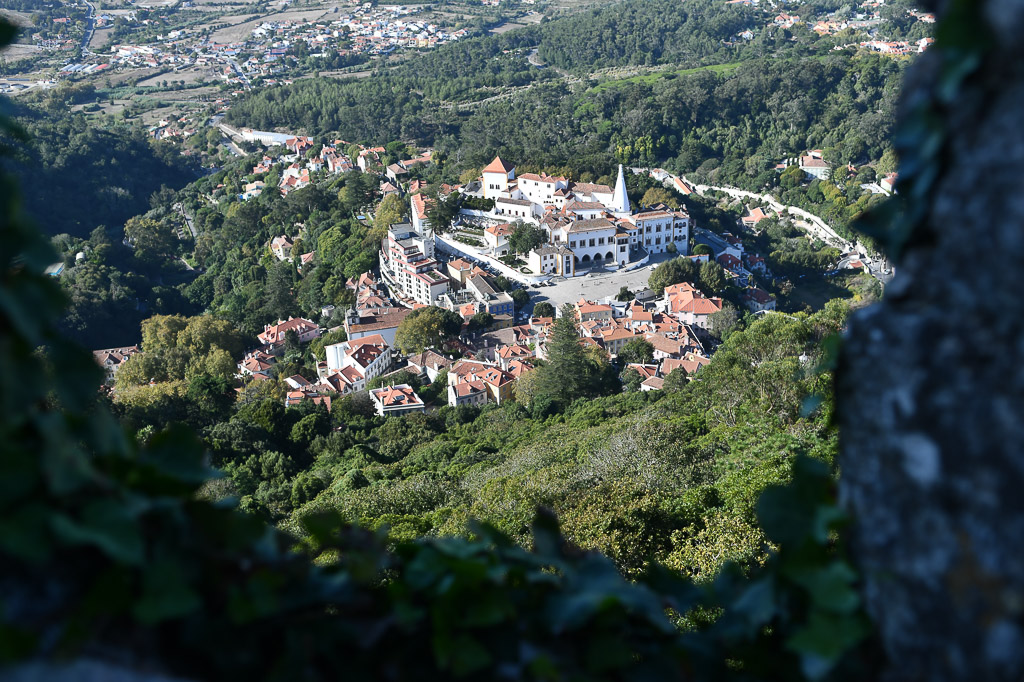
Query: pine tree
x=568, y=372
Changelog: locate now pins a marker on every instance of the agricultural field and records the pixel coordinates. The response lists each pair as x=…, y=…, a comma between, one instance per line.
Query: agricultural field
x=184, y=77
x=17, y=52
x=240, y=31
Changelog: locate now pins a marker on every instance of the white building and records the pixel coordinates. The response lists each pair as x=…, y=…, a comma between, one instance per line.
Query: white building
x=655, y=230
x=389, y=401
x=370, y=356
x=814, y=165
x=498, y=178
x=407, y=264
x=551, y=260
x=594, y=222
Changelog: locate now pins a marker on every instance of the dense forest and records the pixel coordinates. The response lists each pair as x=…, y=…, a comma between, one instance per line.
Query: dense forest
x=669, y=476
x=76, y=175
x=646, y=34
x=775, y=96
x=721, y=129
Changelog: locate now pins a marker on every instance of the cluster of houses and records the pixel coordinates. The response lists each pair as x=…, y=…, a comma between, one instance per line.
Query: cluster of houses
x=412, y=272
x=147, y=56
x=493, y=362
x=586, y=225
x=296, y=169
x=898, y=47
x=182, y=127
x=366, y=29
x=867, y=18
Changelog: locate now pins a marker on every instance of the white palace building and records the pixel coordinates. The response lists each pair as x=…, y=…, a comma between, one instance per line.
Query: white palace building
x=586, y=224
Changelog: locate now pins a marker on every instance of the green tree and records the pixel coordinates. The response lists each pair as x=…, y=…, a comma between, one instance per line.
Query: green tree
x=712, y=277
x=160, y=332
x=480, y=321
x=676, y=380
x=631, y=380
x=659, y=195
x=280, y=299
x=640, y=351
x=725, y=321
x=526, y=237
x=427, y=327
x=151, y=237
x=543, y=309
x=888, y=163
x=520, y=297
x=569, y=374
x=702, y=250
x=672, y=272
x=442, y=212
x=390, y=211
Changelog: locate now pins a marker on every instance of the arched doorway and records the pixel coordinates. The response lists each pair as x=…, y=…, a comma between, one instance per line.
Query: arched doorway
x=585, y=259
x=610, y=256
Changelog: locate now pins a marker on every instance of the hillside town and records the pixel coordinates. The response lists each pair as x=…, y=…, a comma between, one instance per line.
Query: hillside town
x=272, y=47
x=587, y=227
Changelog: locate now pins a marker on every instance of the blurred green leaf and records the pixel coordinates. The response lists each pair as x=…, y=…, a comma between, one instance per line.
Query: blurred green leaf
x=106, y=524
x=165, y=593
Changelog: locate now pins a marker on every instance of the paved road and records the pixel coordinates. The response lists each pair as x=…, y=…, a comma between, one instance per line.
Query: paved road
x=90, y=26
x=188, y=220
x=809, y=222
x=596, y=286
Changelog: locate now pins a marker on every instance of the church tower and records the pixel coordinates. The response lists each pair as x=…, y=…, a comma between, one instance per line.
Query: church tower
x=620, y=200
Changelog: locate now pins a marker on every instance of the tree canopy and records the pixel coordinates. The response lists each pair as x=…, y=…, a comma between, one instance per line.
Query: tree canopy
x=427, y=327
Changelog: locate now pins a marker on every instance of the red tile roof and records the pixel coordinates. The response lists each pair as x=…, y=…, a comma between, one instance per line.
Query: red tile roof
x=498, y=166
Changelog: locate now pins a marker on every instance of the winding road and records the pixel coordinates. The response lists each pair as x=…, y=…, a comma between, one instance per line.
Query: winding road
x=808, y=222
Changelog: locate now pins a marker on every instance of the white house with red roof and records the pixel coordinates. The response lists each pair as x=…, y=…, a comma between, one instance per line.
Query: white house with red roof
x=757, y=299
x=390, y=401
x=370, y=356
x=814, y=165
x=496, y=237
x=498, y=179
x=688, y=305
x=497, y=382
x=112, y=359
x=275, y=333
x=256, y=363
x=750, y=221
x=282, y=247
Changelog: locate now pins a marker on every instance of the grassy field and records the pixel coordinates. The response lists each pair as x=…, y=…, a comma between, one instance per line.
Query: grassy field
x=721, y=69
x=241, y=31
x=189, y=76
x=15, y=52
x=507, y=26
x=99, y=38
x=22, y=19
